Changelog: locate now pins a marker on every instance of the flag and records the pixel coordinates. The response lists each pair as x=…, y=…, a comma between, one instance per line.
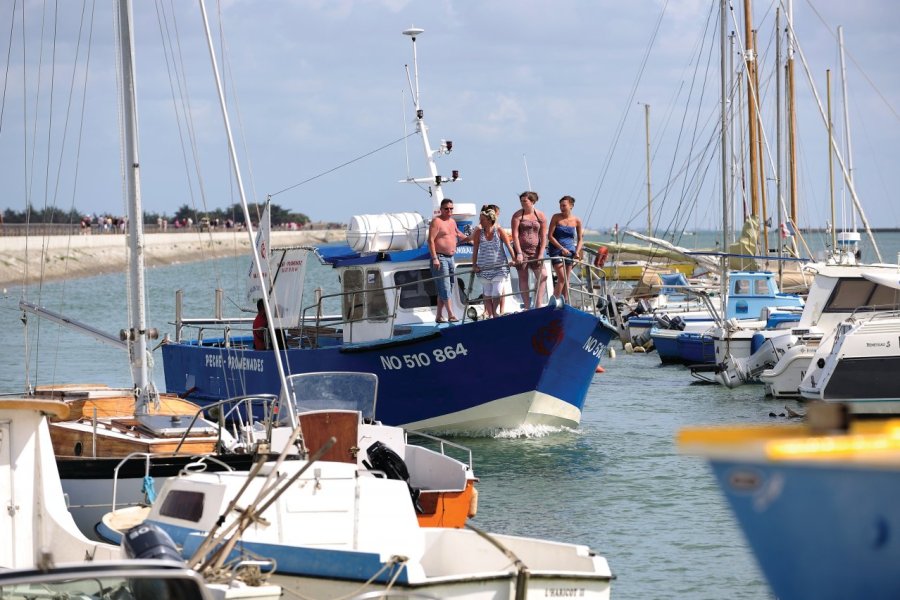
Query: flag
x=257, y=280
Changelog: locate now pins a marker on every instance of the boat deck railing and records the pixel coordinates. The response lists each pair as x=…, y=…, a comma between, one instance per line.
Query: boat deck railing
x=443, y=444
x=586, y=289
x=238, y=413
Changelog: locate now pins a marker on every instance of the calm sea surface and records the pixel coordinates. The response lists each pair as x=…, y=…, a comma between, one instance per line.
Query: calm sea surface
x=616, y=484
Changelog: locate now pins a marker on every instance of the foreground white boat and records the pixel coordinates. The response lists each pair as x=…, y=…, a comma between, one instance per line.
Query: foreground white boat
x=337, y=530
x=42, y=552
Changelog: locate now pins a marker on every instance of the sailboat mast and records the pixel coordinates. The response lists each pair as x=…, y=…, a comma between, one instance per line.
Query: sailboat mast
x=136, y=335
x=830, y=129
x=649, y=195
x=849, y=148
x=726, y=203
x=779, y=82
x=257, y=261
x=752, y=109
x=791, y=114
x=761, y=164
x=724, y=71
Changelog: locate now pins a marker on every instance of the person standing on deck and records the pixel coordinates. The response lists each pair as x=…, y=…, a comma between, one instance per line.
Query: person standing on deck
x=566, y=238
x=529, y=236
x=489, y=259
x=260, y=327
x=443, y=234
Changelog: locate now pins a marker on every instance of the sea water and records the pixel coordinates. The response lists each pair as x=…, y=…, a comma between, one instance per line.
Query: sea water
x=616, y=483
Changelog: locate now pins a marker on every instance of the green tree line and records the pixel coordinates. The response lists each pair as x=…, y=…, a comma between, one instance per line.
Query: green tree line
x=235, y=212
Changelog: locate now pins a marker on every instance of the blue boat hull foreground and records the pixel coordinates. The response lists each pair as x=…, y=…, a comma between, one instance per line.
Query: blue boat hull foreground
x=817, y=500
x=528, y=368
x=819, y=531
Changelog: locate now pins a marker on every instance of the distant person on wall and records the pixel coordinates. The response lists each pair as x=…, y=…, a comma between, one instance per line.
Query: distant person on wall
x=566, y=239
x=490, y=260
x=529, y=236
x=443, y=235
x=260, y=327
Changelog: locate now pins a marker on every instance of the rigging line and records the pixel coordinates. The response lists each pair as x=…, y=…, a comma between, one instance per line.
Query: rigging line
x=685, y=114
x=237, y=106
x=853, y=59
x=12, y=23
x=340, y=166
x=78, y=139
x=628, y=105
x=187, y=110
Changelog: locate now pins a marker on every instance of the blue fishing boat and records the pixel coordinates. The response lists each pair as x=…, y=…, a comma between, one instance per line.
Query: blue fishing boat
x=526, y=367
x=816, y=502
x=753, y=297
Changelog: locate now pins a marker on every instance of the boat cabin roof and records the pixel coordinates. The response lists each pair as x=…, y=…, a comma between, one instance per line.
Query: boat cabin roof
x=342, y=255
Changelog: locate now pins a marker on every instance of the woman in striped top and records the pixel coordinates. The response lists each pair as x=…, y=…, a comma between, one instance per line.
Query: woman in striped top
x=491, y=263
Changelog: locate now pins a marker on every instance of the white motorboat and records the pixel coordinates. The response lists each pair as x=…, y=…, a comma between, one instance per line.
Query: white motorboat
x=860, y=367
x=343, y=405
x=336, y=530
x=836, y=293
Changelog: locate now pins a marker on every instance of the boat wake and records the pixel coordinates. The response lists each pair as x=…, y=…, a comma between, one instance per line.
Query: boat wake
x=521, y=432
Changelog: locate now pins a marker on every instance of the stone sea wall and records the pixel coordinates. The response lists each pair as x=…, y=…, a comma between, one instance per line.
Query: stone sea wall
x=28, y=260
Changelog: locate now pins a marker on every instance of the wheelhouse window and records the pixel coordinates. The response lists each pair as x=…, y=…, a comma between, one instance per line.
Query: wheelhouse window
x=376, y=303
x=417, y=289
x=863, y=295
x=363, y=295
x=353, y=300
x=183, y=504
x=761, y=287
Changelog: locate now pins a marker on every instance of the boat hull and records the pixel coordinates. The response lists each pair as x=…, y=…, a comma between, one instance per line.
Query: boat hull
x=817, y=530
x=532, y=367
x=868, y=385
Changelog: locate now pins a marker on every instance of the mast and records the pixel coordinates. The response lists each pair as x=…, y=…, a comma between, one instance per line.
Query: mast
x=649, y=196
x=778, y=152
x=136, y=336
x=752, y=108
x=761, y=165
x=723, y=88
x=791, y=114
x=849, y=147
x=850, y=187
x=730, y=166
x=830, y=129
x=435, y=179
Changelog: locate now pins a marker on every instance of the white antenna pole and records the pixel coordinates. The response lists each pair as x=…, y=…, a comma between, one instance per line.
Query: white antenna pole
x=434, y=180
x=527, y=176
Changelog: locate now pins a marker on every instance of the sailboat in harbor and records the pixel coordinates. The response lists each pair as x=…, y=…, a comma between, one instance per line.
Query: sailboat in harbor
x=126, y=436
x=541, y=360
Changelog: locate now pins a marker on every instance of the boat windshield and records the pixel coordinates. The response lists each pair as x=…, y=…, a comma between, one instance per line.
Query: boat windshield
x=334, y=391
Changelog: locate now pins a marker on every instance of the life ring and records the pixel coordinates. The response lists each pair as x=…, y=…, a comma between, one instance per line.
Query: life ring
x=602, y=253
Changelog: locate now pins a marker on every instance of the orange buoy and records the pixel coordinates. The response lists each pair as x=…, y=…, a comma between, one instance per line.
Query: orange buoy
x=600, y=369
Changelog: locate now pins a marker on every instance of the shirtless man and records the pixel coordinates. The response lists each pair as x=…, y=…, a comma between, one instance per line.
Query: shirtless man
x=442, y=237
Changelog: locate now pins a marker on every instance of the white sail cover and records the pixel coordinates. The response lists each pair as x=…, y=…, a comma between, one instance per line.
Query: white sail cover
x=257, y=280
x=286, y=295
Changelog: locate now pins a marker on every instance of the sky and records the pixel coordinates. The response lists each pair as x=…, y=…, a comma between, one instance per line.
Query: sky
x=539, y=95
